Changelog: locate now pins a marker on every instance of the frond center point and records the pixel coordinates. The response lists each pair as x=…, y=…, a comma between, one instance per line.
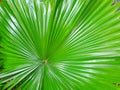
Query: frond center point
x=45, y=61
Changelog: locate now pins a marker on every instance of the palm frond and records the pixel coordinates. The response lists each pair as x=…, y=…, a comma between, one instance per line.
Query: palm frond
x=59, y=45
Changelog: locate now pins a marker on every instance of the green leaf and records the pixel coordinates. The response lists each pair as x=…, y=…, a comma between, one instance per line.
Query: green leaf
x=59, y=45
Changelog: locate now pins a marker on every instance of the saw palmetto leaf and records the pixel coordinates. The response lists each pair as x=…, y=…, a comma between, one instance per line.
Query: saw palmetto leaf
x=59, y=45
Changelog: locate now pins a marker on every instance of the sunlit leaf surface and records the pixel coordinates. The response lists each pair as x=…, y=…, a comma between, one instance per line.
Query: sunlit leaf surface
x=59, y=45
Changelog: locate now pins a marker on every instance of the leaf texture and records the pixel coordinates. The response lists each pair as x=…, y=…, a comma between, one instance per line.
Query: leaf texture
x=59, y=45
